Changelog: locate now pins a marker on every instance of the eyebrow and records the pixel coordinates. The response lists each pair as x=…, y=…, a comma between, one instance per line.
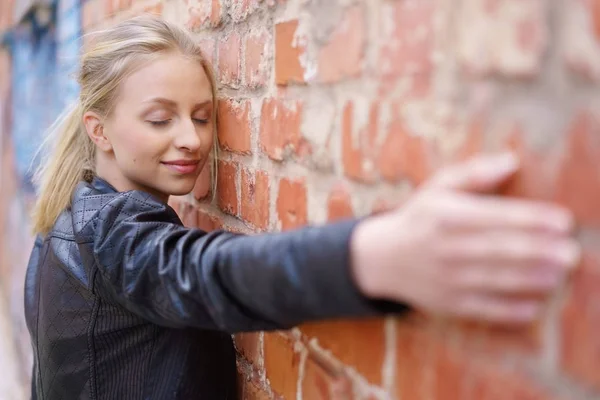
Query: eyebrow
x=171, y=103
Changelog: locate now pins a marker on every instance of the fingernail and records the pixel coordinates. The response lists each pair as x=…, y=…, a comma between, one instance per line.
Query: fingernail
x=569, y=254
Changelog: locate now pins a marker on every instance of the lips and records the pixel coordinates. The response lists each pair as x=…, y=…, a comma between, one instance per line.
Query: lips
x=182, y=166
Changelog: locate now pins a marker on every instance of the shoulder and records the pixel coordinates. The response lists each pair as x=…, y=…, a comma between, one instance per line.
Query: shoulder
x=94, y=212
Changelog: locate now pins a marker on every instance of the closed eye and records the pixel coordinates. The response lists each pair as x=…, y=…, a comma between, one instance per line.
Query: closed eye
x=201, y=121
x=160, y=123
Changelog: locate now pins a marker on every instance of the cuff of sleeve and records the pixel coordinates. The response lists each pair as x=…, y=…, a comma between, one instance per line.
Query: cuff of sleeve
x=338, y=284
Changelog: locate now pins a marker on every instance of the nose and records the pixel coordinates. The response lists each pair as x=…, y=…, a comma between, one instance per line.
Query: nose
x=187, y=138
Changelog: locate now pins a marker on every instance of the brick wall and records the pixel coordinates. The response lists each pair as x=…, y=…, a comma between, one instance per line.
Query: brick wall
x=336, y=108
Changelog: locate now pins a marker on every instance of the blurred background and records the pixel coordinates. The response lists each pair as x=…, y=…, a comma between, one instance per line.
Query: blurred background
x=40, y=44
x=333, y=108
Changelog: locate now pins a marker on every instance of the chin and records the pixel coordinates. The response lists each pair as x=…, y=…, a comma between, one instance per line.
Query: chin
x=179, y=189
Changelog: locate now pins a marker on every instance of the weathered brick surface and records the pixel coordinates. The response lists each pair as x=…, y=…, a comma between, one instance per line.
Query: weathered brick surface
x=333, y=109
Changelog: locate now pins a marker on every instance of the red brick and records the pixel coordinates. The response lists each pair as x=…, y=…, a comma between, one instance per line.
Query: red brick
x=281, y=365
x=110, y=7
x=578, y=185
x=357, y=149
x=534, y=179
x=280, y=129
x=234, y=125
x=343, y=55
x=581, y=321
x=198, y=16
x=91, y=14
x=489, y=382
x=289, y=50
x=495, y=341
x=251, y=391
x=230, y=49
x=248, y=344
x=125, y=4
x=524, y=37
x=203, y=14
x=450, y=368
x=227, y=176
x=414, y=349
x=216, y=13
x=473, y=142
x=321, y=383
x=407, y=49
x=581, y=25
x=403, y=155
x=255, y=198
x=203, y=183
x=241, y=9
x=292, y=204
x=346, y=341
x=339, y=204
x=460, y=374
x=175, y=203
x=208, y=222
x=256, y=61
x=208, y=47
x=189, y=215
x=155, y=9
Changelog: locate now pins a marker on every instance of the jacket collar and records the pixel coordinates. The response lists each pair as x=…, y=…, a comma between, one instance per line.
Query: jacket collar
x=102, y=186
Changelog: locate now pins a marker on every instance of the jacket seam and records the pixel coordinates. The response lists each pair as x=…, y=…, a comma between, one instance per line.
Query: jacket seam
x=151, y=362
x=109, y=203
x=37, y=329
x=67, y=237
x=92, y=349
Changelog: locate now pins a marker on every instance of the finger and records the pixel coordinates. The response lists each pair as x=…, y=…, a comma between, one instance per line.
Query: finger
x=481, y=173
x=471, y=212
x=510, y=249
x=513, y=280
x=495, y=309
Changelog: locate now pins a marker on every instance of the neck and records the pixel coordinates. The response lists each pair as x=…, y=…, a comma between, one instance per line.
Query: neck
x=108, y=170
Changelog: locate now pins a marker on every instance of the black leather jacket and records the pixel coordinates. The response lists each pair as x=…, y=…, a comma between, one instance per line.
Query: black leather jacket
x=123, y=302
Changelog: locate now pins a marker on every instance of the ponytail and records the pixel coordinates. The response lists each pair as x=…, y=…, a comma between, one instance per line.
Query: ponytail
x=69, y=154
x=69, y=161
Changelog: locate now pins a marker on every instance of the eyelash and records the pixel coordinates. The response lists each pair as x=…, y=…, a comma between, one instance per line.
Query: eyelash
x=160, y=123
x=166, y=122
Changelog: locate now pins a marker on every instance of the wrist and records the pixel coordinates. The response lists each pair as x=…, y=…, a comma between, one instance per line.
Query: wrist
x=367, y=256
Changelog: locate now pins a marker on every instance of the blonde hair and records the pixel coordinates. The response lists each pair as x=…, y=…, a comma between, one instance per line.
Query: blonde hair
x=117, y=52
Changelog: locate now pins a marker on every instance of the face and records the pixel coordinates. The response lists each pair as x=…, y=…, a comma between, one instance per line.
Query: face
x=160, y=133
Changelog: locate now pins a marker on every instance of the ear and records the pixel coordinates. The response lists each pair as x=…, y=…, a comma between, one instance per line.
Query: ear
x=95, y=130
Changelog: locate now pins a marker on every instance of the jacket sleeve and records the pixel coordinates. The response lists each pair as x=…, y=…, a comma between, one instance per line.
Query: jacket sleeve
x=184, y=277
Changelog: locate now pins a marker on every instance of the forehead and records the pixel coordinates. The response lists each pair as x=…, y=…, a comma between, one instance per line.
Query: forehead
x=171, y=76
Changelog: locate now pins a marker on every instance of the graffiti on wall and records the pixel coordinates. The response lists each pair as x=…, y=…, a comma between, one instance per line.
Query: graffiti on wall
x=45, y=50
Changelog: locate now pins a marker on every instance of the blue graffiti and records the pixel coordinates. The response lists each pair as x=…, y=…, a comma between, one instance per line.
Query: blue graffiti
x=44, y=59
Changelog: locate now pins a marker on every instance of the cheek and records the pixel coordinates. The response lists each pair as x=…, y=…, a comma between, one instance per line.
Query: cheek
x=207, y=140
x=137, y=146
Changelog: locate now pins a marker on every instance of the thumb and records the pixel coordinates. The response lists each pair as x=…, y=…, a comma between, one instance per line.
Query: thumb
x=482, y=173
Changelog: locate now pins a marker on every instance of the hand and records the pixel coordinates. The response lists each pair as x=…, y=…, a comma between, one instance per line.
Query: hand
x=454, y=251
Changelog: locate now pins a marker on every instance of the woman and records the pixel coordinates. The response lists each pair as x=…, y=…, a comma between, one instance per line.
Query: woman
x=123, y=302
